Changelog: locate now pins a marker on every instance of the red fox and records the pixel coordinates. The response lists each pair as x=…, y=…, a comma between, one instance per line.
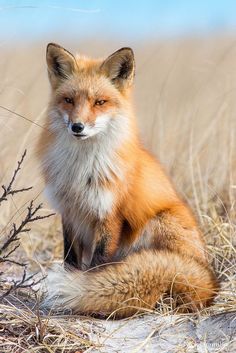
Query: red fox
x=128, y=236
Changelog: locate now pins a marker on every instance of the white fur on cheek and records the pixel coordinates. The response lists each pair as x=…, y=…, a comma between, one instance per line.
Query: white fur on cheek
x=100, y=126
x=66, y=118
x=102, y=122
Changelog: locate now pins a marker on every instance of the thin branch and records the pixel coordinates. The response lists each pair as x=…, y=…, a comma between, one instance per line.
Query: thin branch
x=21, y=116
x=29, y=218
x=5, y=257
x=24, y=282
x=7, y=190
x=21, y=264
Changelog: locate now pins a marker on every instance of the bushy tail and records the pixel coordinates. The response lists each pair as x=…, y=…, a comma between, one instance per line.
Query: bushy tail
x=121, y=289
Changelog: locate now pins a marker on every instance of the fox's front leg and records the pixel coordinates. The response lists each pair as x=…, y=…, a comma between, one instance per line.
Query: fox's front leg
x=92, y=249
x=72, y=248
x=106, y=238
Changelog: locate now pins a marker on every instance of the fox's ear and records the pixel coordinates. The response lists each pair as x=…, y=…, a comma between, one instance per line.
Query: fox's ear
x=61, y=64
x=120, y=67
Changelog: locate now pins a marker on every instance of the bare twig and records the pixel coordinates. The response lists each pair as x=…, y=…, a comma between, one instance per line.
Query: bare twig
x=22, y=116
x=26, y=281
x=16, y=230
x=7, y=190
x=11, y=241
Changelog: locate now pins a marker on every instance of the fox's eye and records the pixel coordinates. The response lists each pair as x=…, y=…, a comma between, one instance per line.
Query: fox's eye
x=69, y=100
x=100, y=102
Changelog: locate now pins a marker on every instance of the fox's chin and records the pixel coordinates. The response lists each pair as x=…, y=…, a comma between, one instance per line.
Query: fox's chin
x=80, y=137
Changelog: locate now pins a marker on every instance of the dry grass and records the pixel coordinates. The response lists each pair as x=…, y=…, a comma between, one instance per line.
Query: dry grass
x=185, y=99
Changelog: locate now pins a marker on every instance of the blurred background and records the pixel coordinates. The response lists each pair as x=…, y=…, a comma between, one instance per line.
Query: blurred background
x=124, y=20
x=184, y=94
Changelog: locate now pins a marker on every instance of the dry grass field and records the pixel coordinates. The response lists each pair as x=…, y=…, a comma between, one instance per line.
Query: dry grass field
x=185, y=98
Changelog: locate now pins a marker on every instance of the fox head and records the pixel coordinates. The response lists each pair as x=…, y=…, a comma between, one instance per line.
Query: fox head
x=88, y=95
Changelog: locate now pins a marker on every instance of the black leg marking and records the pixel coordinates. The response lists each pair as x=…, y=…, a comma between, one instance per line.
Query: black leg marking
x=70, y=257
x=100, y=255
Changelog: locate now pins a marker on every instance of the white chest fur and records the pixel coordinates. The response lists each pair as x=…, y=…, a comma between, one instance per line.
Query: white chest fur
x=92, y=200
x=76, y=170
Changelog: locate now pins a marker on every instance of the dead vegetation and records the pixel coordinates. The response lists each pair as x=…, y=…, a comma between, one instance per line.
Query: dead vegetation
x=10, y=241
x=185, y=98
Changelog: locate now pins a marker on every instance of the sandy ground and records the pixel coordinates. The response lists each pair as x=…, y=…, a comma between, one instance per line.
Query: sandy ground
x=155, y=334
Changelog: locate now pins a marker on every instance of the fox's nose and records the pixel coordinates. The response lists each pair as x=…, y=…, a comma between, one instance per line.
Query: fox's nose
x=77, y=127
